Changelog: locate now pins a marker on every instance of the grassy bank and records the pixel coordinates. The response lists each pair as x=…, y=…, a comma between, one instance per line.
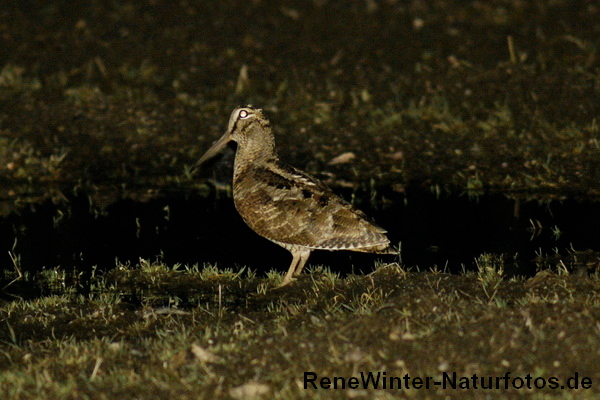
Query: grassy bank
x=153, y=330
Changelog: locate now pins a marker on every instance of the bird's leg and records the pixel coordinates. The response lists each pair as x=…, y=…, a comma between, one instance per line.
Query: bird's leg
x=296, y=257
x=303, y=259
x=299, y=259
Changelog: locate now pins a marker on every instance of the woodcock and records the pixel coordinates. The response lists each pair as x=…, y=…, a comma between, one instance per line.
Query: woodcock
x=286, y=205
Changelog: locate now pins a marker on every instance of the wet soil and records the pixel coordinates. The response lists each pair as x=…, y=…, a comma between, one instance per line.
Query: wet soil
x=117, y=100
x=447, y=232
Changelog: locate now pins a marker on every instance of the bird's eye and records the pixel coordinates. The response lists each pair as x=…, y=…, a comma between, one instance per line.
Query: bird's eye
x=244, y=114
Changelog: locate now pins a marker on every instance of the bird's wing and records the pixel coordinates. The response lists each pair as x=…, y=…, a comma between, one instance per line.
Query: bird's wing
x=289, y=206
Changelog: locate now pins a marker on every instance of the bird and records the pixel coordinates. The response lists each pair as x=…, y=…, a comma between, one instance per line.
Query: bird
x=286, y=205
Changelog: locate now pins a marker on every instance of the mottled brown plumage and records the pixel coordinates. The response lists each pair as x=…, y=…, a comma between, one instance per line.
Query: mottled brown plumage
x=286, y=205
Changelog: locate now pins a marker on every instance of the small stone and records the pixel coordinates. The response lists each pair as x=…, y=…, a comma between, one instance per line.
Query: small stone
x=343, y=158
x=250, y=390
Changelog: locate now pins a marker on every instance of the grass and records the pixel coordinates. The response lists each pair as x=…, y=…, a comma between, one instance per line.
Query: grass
x=153, y=330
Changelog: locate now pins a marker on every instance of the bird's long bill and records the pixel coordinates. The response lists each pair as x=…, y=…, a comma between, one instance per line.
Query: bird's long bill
x=214, y=150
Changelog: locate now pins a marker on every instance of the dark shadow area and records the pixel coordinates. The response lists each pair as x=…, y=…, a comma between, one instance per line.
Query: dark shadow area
x=449, y=232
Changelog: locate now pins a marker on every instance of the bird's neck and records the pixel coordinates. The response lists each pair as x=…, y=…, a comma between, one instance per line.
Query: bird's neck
x=256, y=149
